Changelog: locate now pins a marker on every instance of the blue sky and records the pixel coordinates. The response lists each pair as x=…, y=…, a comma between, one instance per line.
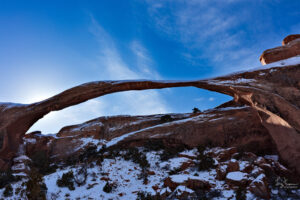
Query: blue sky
x=49, y=46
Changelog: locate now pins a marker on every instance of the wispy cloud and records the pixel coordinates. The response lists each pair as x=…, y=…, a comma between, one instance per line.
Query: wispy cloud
x=109, y=64
x=209, y=30
x=114, y=67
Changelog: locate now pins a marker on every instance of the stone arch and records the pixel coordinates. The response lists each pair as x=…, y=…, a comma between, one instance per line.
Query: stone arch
x=247, y=88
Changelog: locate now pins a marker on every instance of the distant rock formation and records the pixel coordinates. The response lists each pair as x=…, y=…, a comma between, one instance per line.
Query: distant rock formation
x=290, y=48
x=290, y=38
x=263, y=116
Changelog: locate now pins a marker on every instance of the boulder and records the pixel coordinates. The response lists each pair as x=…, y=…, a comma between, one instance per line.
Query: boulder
x=259, y=187
x=232, y=166
x=185, y=180
x=237, y=178
x=186, y=165
x=221, y=171
x=195, y=184
x=169, y=183
x=226, y=154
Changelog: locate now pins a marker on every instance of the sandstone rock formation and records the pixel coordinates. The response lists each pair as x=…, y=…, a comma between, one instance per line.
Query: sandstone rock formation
x=290, y=48
x=290, y=38
x=263, y=116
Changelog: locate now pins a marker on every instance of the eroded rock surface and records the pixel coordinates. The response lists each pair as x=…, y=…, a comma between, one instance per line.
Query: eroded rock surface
x=290, y=48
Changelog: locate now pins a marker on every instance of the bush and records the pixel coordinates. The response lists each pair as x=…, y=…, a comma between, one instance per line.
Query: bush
x=6, y=177
x=204, y=162
x=1, y=139
x=144, y=176
x=147, y=196
x=171, y=152
x=166, y=118
x=67, y=180
x=201, y=149
x=207, y=195
x=108, y=187
x=175, y=171
x=240, y=194
x=154, y=145
x=89, y=153
x=134, y=155
x=8, y=191
x=40, y=160
x=35, y=186
x=196, y=110
x=213, y=193
x=81, y=175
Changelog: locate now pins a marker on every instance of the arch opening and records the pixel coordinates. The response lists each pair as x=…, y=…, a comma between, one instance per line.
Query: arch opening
x=147, y=102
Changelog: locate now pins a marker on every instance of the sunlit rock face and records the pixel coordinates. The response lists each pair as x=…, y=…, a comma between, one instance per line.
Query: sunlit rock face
x=290, y=38
x=290, y=48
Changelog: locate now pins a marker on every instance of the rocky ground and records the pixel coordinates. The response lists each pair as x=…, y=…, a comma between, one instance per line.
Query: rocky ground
x=152, y=172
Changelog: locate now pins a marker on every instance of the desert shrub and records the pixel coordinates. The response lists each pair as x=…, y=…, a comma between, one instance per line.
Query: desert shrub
x=201, y=149
x=207, y=195
x=175, y=171
x=6, y=177
x=99, y=160
x=201, y=194
x=89, y=153
x=147, y=196
x=213, y=193
x=143, y=162
x=40, y=160
x=166, y=118
x=81, y=175
x=134, y=155
x=240, y=193
x=131, y=153
x=196, y=110
x=144, y=176
x=112, y=153
x=171, y=152
x=154, y=145
x=205, y=162
x=71, y=161
x=8, y=191
x=103, y=149
x=35, y=186
x=109, y=187
x=67, y=180
x=1, y=139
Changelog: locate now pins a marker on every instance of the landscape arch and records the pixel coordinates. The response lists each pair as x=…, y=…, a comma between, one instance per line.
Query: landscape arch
x=278, y=113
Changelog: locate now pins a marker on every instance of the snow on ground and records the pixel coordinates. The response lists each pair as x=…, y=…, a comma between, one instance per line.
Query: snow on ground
x=236, y=176
x=125, y=176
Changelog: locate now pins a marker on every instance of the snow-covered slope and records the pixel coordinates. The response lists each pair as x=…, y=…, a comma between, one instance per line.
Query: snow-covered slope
x=215, y=173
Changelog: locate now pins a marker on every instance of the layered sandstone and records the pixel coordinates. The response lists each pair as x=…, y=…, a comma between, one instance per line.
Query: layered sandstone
x=290, y=48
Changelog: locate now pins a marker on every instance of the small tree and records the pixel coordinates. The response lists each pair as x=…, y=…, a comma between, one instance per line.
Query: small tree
x=240, y=194
x=166, y=118
x=196, y=110
x=8, y=191
x=67, y=180
x=109, y=187
x=35, y=186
